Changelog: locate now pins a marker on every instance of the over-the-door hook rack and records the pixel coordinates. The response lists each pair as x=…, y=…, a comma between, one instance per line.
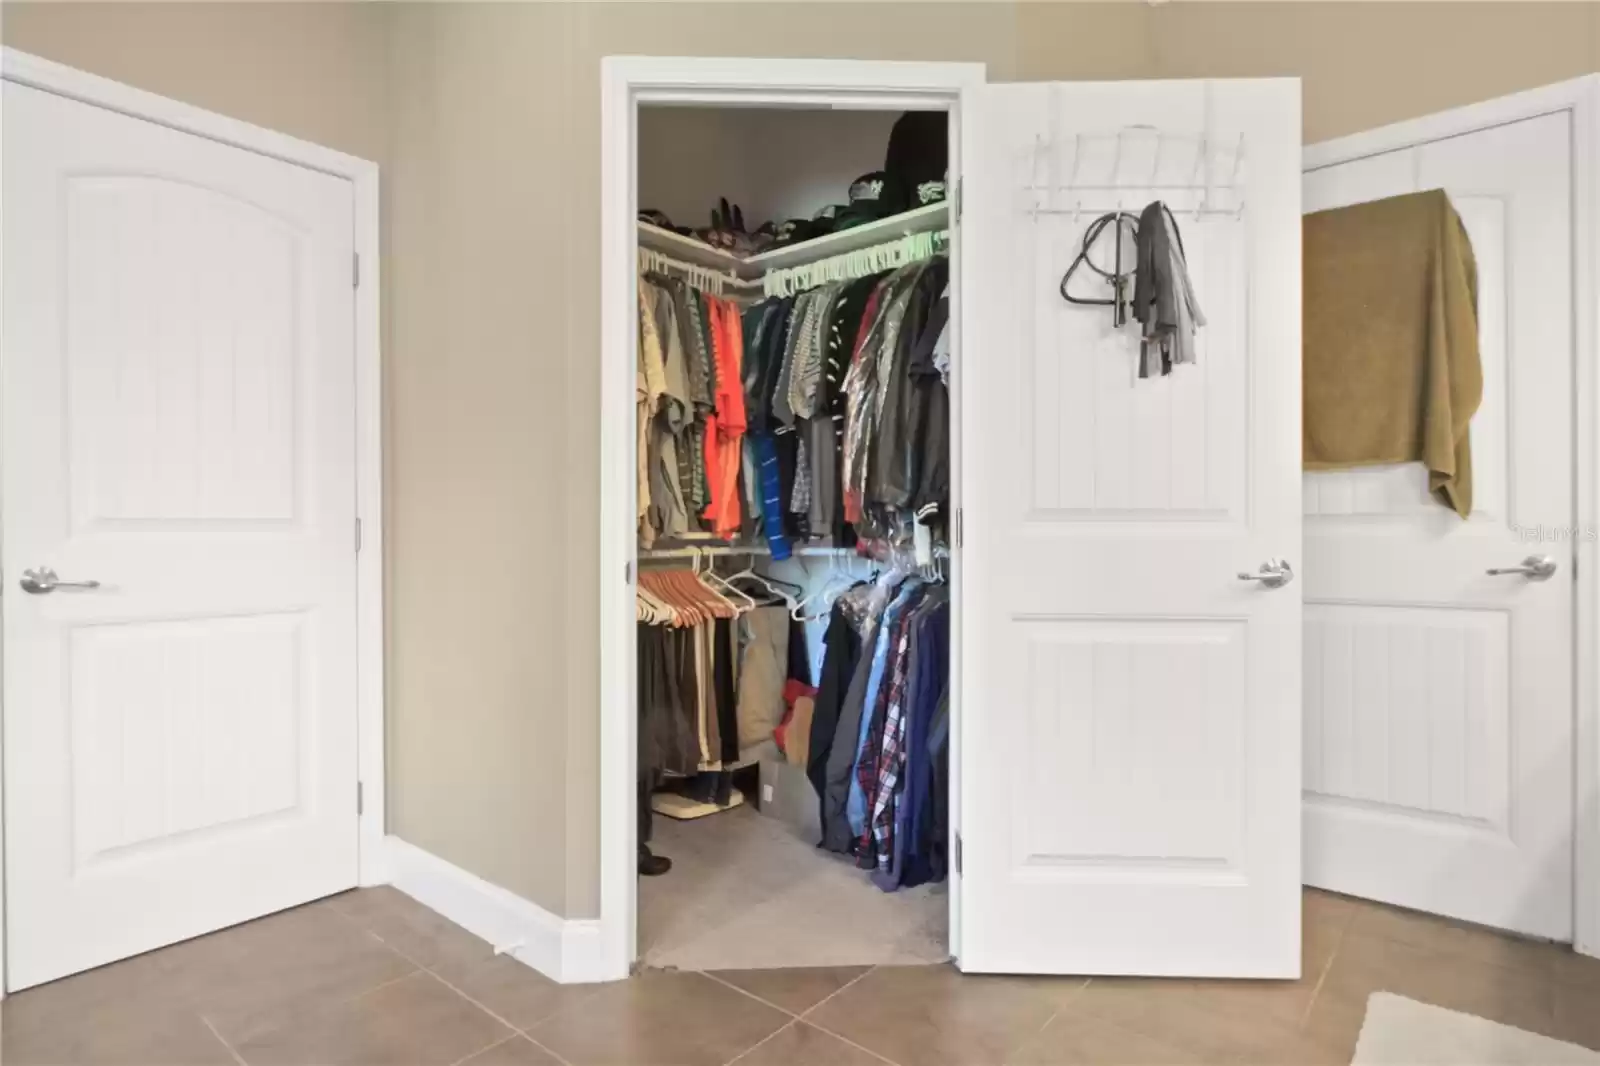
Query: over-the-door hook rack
x=1233, y=179
x=1033, y=173
x=1194, y=178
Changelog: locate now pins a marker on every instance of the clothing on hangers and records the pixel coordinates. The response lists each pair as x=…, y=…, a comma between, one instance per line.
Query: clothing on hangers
x=714, y=666
x=842, y=381
x=876, y=754
x=690, y=411
x=818, y=414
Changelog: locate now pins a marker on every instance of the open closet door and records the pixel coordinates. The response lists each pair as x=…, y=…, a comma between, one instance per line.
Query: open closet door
x=1130, y=695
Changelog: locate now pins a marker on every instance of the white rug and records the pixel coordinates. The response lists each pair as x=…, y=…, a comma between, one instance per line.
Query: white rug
x=1402, y=1032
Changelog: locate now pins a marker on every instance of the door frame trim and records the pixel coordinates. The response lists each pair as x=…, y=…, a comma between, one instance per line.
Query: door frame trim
x=625, y=81
x=25, y=69
x=1580, y=98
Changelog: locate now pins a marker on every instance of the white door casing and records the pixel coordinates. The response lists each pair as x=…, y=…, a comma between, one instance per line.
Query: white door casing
x=1130, y=781
x=1438, y=699
x=179, y=424
x=626, y=82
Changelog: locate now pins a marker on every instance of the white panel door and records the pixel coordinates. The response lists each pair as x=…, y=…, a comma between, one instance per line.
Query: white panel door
x=1130, y=706
x=1438, y=698
x=180, y=742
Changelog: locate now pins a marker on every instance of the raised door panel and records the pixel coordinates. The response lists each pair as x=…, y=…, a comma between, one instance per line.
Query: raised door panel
x=1102, y=735
x=186, y=325
x=1167, y=451
x=186, y=729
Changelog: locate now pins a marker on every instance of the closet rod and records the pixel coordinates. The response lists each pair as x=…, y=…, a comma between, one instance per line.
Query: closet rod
x=690, y=553
x=1186, y=212
x=1130, y=186
x=652, y=260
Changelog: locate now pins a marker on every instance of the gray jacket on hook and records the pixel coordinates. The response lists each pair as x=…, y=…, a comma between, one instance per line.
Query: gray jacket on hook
x=1163, y=298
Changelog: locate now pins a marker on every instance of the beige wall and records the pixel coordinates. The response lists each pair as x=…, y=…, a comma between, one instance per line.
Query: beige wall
x=313, y=70
x=485, y=117
x=1363, y=64
x=480, y=630
x=496, y=384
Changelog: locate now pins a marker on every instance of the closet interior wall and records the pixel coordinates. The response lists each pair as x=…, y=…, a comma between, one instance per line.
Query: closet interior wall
x=774, y=164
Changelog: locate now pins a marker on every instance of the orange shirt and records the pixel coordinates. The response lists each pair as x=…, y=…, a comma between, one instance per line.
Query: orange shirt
x=725, y=426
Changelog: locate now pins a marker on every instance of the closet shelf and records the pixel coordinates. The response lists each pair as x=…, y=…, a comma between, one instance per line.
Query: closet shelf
x=926, y=219
x=695, y=252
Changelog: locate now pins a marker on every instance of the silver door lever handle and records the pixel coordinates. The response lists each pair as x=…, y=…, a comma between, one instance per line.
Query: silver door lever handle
x=1534, y=567
x=45, y=580
x=1274, y=574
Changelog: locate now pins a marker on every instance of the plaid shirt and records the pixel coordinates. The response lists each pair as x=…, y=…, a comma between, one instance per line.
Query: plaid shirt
x=880, y=776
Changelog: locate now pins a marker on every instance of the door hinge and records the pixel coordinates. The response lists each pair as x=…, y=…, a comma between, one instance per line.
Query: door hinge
x=958, y=199
x=361, y=799
x=958, y=853
x=627, y=572
x=959, y=530
x=355, y=270
x=358, y=536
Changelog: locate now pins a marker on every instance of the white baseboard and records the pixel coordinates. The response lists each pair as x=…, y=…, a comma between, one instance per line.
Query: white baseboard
x=563, y=949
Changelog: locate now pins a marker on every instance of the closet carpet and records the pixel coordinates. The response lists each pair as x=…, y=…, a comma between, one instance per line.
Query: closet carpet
x=746, y=892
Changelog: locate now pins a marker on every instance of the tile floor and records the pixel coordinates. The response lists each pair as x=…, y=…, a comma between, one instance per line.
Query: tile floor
x=372, y=977
x=747, y=891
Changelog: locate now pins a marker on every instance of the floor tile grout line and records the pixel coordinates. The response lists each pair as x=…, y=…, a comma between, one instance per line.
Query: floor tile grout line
x=860, y=976
x=516, y=1030
x=418, y=963
x=1327, y=968
x=238, y=1058
x=422, y=967
x=1054, y=1014
x=790, y=1024
x=840, y=1036
x=546, y=1048
x=474, y=1054
x=744, y=992
x=880, y=1056
x=386, y=984
x=795, y=1018
x=503, y=1021
x=342, y=1002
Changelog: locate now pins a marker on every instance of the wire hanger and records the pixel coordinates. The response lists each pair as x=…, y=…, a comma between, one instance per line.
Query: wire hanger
x=783, y=590
x=821, y=594
x=722, y=588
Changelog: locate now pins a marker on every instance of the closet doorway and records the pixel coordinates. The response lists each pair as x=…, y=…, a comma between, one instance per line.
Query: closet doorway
x=1113, y=547
x=793, y=583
